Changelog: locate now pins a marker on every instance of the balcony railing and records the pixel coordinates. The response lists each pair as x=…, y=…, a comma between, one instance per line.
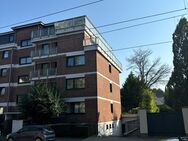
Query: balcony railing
x=43, y=73
x=106, y=50
x=40, y=53
x=46, y=32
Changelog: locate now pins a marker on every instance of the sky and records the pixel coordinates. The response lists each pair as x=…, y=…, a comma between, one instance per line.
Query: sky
x=106, y=12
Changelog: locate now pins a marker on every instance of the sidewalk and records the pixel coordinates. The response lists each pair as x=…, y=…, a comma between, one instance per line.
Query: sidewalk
x=94, y=138
x=129, y=139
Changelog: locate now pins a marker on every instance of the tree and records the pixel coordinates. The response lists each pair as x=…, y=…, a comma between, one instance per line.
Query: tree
x=177, y=87
x=148, y=101
x=42, y=103
x=131, y=93
x=149, y=73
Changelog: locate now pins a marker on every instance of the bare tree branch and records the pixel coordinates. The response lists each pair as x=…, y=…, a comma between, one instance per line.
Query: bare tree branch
x=149, y=73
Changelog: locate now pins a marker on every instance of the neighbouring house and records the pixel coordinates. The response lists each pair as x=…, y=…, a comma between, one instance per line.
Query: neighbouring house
x=71, y=54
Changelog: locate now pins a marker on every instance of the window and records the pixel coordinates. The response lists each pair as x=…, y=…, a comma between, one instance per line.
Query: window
x=25, y=43
x=110, y=87
x=45, y=49
x=75, y=60
x=19, y=99
x=76, y=107
x=2, y=90
x=25, y=60
x=5, y=54
x=110, y=125
x=110, y=68
x=79, y=60
x=70, y=84
x=111, y=107
x=4, y=72
x=106, y=126
x=11, y=38
x=79, y=107
x=75, y=83
x=23, y=79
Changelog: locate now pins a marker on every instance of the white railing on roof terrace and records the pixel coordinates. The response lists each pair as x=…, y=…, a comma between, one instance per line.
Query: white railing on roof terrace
x=46, y=32
x=104, y=49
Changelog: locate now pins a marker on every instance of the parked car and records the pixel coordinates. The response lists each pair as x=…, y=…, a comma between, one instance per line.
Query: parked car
x=33, y=133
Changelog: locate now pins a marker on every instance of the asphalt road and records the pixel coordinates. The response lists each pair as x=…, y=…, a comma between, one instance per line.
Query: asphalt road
x=112, y=139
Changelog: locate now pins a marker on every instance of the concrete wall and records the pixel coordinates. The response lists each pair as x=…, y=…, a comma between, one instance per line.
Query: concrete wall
x=110, y=128
x=185, y=118
x=143, y=122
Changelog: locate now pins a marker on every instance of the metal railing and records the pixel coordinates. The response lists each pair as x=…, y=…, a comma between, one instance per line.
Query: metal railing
x=46, y=32
x=43, y=73
x=131, y=126
x=40, y=52
x=104, y=48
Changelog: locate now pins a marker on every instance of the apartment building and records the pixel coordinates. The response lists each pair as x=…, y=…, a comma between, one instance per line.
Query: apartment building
x=70, y=54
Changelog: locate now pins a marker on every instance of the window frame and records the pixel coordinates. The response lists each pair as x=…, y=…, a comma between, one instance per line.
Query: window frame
x=1, y=89
x=25, y=57
x=28, y=43
x=23, y=82
x=74, y=86
x=3, y=54
x=1, y=72
x=73, y=109
x=74, y=60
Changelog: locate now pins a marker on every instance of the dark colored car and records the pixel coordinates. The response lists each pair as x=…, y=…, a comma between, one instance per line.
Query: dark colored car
x=32, y=133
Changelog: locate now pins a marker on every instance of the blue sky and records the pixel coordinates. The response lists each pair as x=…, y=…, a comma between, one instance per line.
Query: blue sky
x=107, y=11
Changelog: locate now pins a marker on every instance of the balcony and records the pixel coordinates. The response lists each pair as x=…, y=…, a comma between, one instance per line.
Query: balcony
x=43, y=73
x=44, y=53
x=43, y=34
x=102, y=47
x=8, y=45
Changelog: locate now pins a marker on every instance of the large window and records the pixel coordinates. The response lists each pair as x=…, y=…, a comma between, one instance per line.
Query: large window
x=75, y=83
x=2, y=90
x=5, y=54
x=75, y=60
x=76, y=107
x=25, y=43
x=3, y=72
x=25, y=60
x=23, y=79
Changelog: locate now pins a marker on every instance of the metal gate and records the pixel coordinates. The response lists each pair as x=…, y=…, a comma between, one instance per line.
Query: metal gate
x=165, y=124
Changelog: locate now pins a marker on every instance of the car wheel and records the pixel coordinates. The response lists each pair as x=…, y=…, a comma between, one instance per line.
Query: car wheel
x=10, y=139
x=38, y=139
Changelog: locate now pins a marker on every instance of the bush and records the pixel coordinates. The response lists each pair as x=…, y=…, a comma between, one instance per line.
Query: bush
x=148, y=101
x=134, y=110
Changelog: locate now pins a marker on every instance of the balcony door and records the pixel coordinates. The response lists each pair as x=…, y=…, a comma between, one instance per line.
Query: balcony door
x=45, y=49
x=44, y=69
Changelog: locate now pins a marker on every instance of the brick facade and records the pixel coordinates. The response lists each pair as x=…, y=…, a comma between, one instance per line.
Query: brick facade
x=99, y=69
